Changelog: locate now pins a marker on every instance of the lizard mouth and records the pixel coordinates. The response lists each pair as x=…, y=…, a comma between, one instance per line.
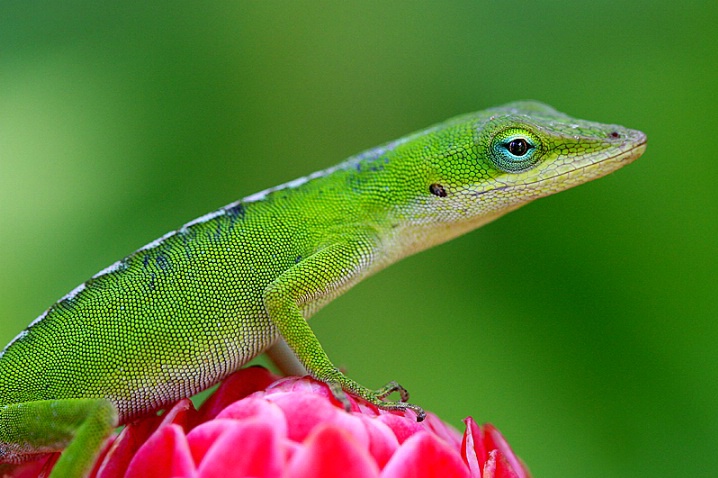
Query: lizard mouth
x=584, y=173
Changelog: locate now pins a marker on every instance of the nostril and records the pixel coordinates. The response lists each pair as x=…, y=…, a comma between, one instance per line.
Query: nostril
x=615, y=134
x=437, y=190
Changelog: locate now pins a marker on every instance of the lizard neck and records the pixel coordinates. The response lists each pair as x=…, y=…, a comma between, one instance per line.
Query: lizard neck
x=413, y=237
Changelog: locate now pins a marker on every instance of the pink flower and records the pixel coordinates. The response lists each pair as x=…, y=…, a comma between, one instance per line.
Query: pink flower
x=257, y=426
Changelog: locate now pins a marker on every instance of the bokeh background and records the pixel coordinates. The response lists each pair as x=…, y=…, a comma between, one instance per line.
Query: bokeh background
x=583, y=325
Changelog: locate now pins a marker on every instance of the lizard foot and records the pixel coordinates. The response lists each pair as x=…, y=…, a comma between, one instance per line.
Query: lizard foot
x=375, y=397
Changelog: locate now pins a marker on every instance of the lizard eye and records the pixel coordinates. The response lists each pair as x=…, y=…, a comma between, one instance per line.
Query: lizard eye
x=514, y=151
x=518, y=147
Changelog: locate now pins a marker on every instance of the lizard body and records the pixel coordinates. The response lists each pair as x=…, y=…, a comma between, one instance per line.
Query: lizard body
x=188, y=309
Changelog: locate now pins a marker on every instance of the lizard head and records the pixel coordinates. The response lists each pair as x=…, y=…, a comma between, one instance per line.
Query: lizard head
x=519, y=152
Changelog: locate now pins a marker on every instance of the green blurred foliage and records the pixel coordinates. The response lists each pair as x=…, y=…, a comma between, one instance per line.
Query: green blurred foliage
x=583, y=326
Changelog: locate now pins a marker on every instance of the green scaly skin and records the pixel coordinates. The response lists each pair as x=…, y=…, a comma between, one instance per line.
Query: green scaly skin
x=185, y=311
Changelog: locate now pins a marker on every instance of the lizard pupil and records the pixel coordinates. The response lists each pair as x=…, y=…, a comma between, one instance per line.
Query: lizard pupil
x=518, y=147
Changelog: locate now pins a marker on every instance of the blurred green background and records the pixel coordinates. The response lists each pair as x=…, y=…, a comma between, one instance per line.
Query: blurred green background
x=583, y=325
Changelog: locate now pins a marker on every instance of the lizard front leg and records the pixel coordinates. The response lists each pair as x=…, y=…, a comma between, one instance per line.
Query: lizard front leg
x=320, y=276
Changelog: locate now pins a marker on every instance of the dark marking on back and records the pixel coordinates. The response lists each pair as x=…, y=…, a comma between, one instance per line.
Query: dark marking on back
x=298, y=259
x=188, y=236
x=218, y=232
x=65, y=303
x=163, y=262
x=235, y=213
x=149, y=273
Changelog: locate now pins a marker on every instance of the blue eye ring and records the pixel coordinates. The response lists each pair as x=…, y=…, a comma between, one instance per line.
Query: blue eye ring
x=515, y=151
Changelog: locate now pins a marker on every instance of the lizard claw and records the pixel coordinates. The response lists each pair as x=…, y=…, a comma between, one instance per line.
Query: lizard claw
x=390, y=388
x=377, y=397
x=340, y=395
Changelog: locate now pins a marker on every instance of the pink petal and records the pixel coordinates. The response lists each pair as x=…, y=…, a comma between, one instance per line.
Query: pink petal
x=382, y=441
x=49, y=465
x=319, y=389
x=331, y=452
x=423, y=455
x=118, y=455
x=496, y=440
x=503, y=468
x=289, y=448
x=473, y=449
x=305, y=411
x=301, y=384
x=182, y=413
x=490, y=465
x=123, y=448
x=403, y=427
x=250, y=448
x=165, y=455
x=259, y=408
x=100, y=460
x=498, y=467
x=203, y=436
x=235, y=387
x=443, y=430
x=37, y=466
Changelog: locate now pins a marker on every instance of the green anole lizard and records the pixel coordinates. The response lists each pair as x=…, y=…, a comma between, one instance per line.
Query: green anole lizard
x=188, y=309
